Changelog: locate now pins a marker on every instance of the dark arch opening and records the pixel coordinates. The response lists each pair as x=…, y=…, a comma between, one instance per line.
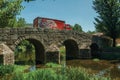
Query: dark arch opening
x=72, y=49
x=39, y=51
x=94, y=50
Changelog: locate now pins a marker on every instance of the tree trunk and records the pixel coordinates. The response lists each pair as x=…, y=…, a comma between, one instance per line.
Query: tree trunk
x=114, y=42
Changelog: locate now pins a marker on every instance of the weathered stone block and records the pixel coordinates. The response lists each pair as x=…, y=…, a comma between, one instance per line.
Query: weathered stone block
x=6, y=55
x=15, y=36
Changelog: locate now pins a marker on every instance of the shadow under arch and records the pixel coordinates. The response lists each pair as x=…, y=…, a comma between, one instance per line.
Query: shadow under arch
x=94, y=50
x=72, y=49
x=39, y=50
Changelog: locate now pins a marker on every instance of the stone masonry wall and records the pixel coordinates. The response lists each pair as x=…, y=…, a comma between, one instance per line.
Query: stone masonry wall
x=46, y=36
x=13, y=36
x=6, y=54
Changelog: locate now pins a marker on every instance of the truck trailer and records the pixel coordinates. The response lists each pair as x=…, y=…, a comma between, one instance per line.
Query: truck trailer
x=41, y=22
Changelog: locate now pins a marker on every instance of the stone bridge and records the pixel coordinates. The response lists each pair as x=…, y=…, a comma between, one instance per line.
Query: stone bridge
x=42, y=39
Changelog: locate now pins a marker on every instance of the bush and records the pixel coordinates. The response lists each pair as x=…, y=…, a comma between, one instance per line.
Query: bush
x=6, y=69
x=44, y=74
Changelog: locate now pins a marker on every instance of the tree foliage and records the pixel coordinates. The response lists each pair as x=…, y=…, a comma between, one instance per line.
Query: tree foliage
x=108, y=19
x=91, y=32
x=77, y=27
x=8, y=11
x=21, y=22
x=28, y=0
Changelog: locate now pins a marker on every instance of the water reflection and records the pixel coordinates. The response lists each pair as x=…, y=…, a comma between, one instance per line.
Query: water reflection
x=32, y=67
x=118, y=66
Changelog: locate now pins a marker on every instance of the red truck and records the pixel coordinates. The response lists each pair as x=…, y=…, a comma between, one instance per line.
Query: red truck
x=41, y=22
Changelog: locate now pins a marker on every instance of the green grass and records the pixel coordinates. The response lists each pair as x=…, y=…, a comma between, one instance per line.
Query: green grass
x=6, y=69
x=52, y=65
x=20, y=68
x=68, y=73
x=56, y=72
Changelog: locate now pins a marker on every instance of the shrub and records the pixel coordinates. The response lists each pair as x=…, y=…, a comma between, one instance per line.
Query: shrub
x=45, y=74
x=6, y=69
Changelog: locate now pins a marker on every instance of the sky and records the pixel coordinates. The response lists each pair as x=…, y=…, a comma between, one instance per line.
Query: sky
x=71, y=11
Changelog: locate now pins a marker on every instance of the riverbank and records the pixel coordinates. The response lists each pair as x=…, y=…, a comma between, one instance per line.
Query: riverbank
x=97, y=66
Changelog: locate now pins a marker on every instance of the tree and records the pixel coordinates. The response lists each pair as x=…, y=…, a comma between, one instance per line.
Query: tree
x=8, y=11
x=12, y=22
x=21, y=22
x=32, y=0
x=90, y=32
x=77, y=27
x=108, y=19
x=28, y=0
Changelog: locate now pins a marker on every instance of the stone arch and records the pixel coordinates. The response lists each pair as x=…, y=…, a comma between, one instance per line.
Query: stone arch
x=39, y=49
x=72, y=49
